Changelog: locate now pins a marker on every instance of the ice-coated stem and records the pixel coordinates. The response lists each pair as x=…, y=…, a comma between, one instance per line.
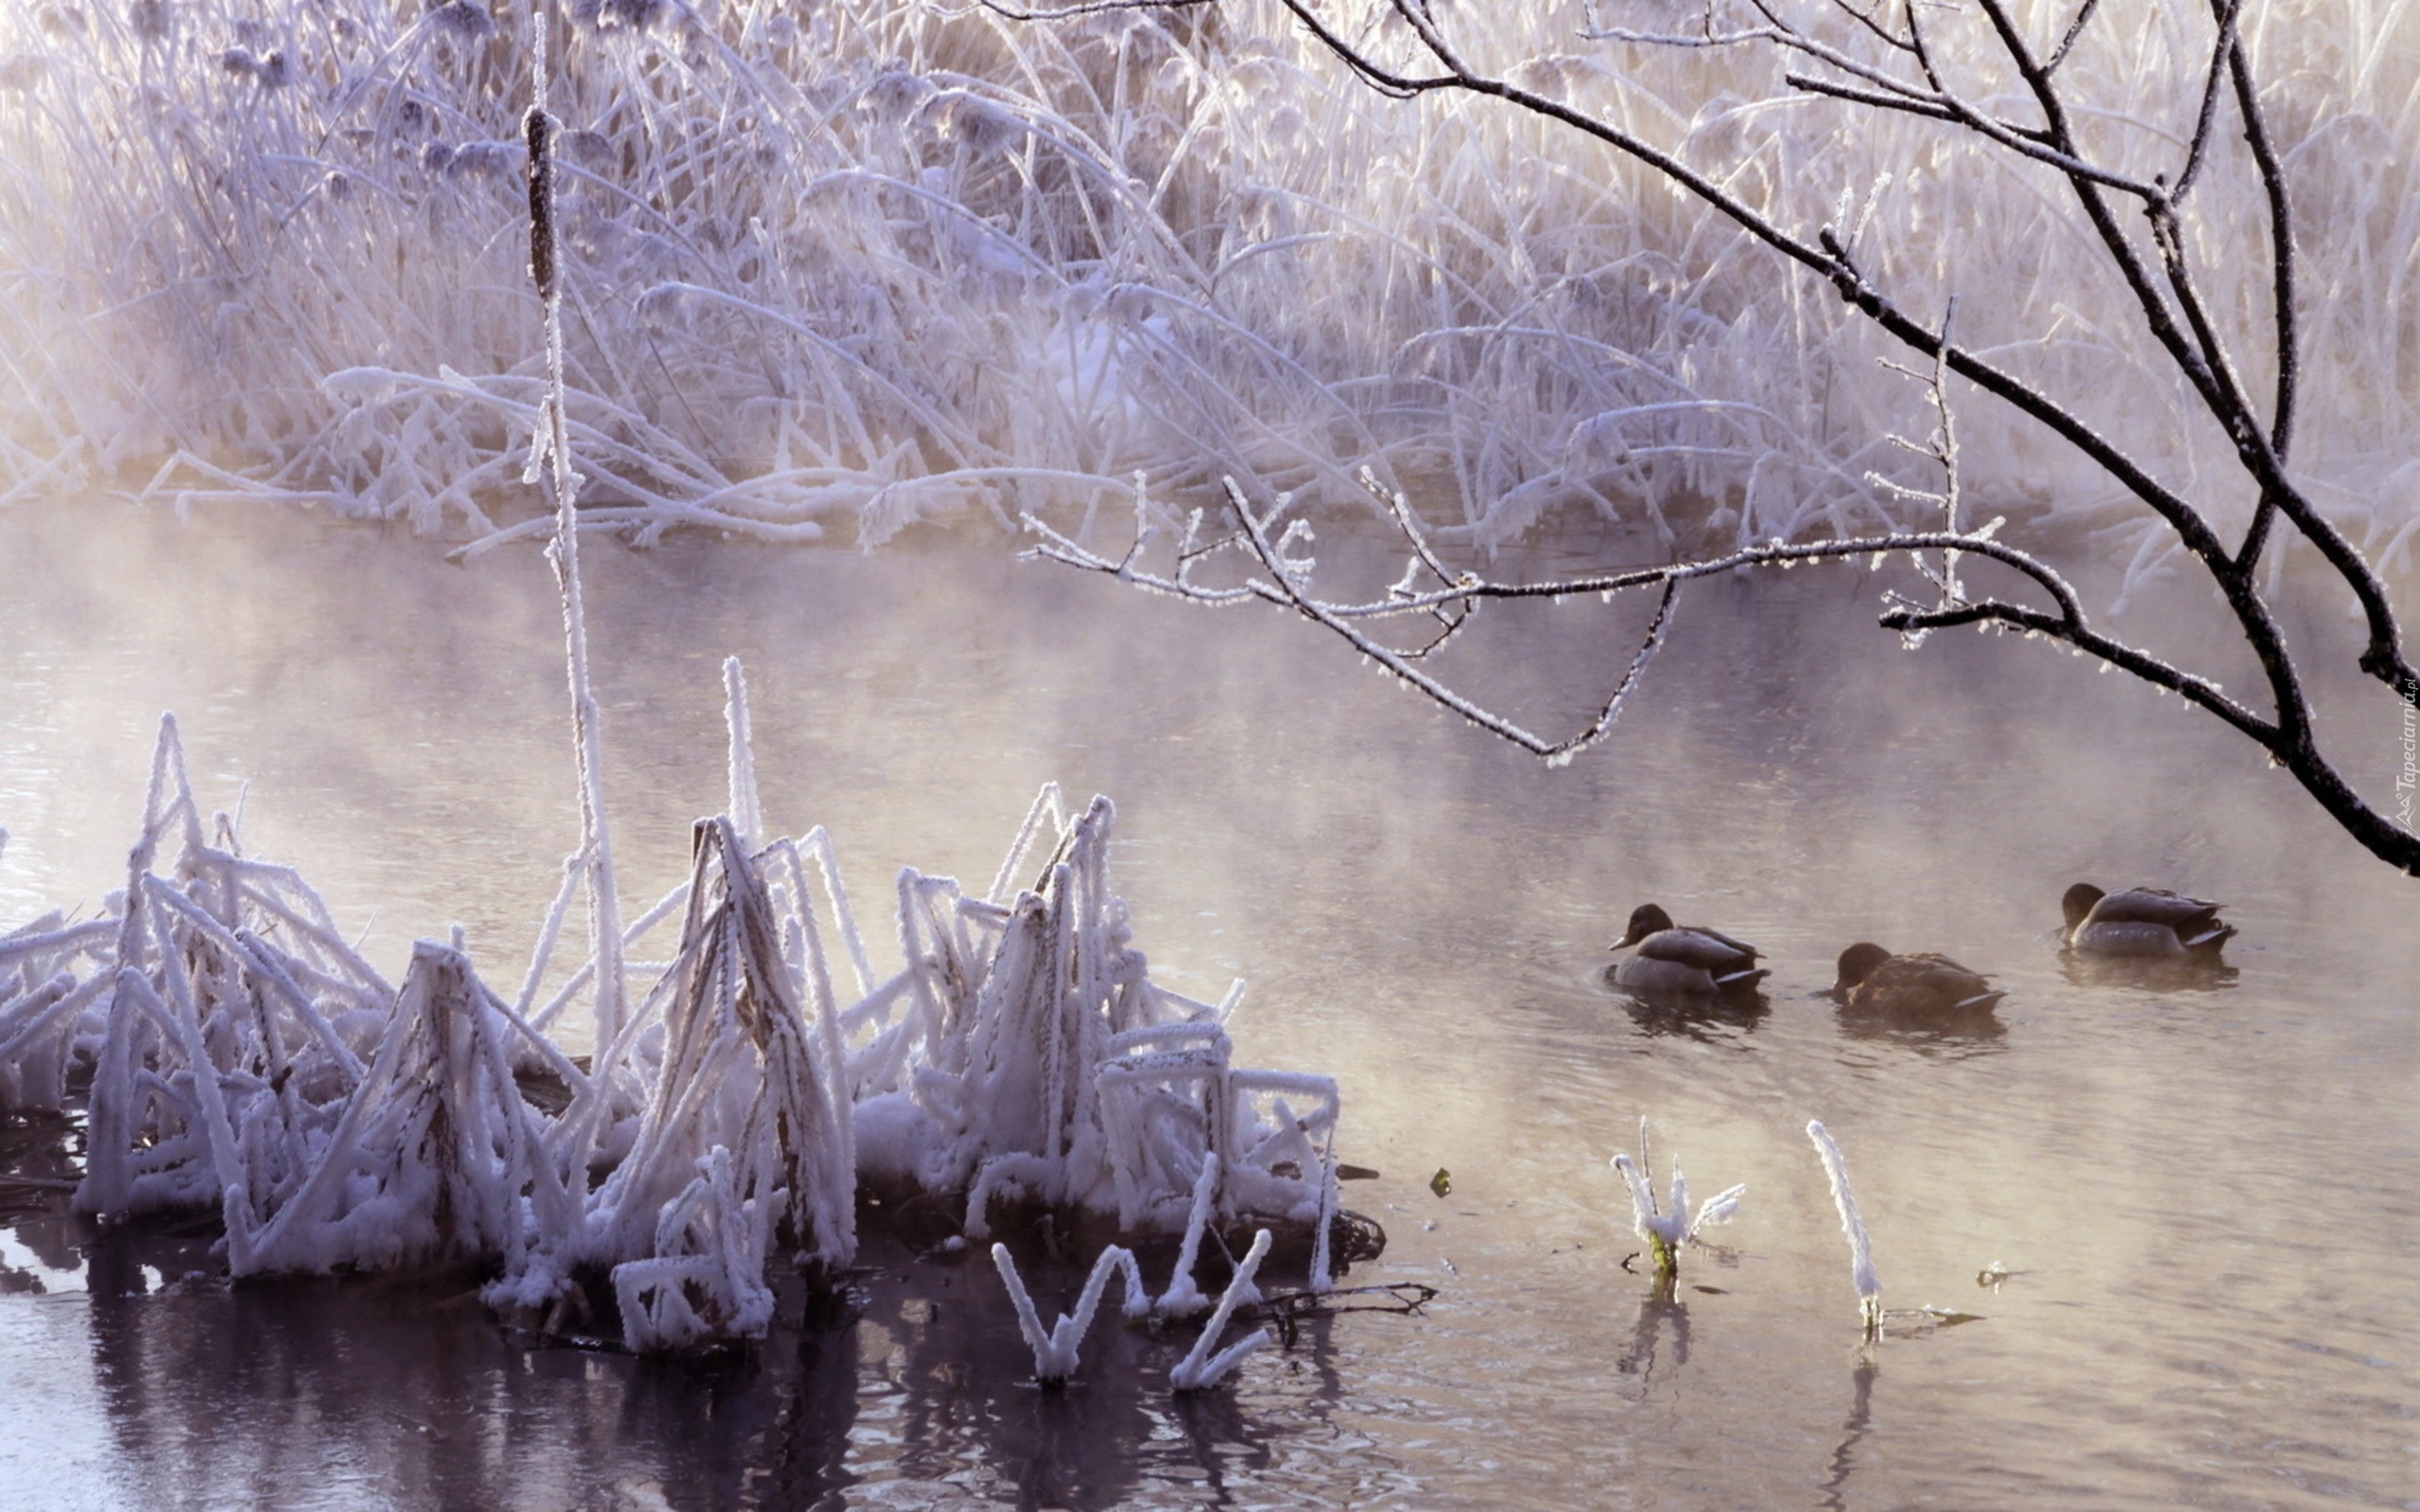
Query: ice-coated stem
x=1201, y=1369
x=1183, y=1298
x=1323, y=1261
x=1650, y=1224
x=1055, y=1353
x=747, y=807
x=550, y=453
x=1868, y=1286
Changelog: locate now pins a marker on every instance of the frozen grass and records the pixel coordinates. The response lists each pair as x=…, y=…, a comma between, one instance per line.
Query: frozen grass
x=1667, y=1228
x=894, y=262
x=240, y=1058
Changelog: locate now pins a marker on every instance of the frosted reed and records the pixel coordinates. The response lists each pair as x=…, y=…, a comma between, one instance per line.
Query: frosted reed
x=1055, y=1353
x=244, y=1062
x=1869, y=1285
x=550, y=454
x=1201, y=1369
x=1117, y=243
x=746, y=810
x=1183, y=1298
x=1669, y=1228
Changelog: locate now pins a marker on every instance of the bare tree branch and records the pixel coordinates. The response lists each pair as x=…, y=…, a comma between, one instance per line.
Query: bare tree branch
x=2176, y=315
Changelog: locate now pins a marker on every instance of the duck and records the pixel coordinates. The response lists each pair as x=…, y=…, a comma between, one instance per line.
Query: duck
x=1676, y=960
x=2143, y=922
x=1872, y=980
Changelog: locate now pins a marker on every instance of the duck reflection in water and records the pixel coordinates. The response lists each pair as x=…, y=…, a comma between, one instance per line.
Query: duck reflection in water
x=1704, y=1020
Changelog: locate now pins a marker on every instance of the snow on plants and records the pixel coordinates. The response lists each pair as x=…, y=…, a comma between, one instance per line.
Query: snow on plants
x=237, y=1058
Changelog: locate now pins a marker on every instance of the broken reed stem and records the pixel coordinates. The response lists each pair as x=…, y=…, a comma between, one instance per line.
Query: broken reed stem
x=596, y=842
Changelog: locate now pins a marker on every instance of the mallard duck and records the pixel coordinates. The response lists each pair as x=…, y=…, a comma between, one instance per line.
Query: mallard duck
x=2142, y=922
x=1873, y=980
x=1680, y=961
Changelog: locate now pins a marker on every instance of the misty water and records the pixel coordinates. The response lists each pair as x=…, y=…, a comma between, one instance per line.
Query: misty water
x=2189, y=1219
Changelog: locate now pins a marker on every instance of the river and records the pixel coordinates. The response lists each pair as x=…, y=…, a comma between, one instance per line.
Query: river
x=2187, y=1220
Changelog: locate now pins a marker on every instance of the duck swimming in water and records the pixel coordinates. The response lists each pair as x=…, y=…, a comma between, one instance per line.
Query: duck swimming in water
x=1872, y=980
x=2143, y=922
x=1671, y=960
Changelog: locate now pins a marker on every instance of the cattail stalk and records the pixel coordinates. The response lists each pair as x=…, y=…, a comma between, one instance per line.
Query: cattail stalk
x=550, y=457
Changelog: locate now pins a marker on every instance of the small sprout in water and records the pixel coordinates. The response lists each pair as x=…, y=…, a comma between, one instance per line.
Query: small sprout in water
x=1666, y=1230
x=1441, y=1183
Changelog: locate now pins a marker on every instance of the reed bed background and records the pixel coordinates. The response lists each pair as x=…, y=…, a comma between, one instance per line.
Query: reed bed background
x=836, y=271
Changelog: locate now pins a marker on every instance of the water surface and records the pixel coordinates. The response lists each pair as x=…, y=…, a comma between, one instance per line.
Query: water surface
x=2206, y=1203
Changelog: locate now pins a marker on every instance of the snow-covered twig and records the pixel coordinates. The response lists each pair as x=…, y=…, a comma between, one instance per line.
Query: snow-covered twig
x=1201, y=1369
x=1055, y=1353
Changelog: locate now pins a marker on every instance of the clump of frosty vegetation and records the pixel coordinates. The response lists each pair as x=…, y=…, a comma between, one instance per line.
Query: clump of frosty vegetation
x=1056, y=1351
x=1668, y=1228
x=239, y=1059
x=876, y=263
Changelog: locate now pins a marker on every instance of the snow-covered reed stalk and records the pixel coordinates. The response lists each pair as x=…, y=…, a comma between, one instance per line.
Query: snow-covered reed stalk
x=1201, y=1369
x=705, y=1281
x=1183, y=1298
x=1055, y=1353
x=1669, y=1228
x=244, y=1062
x=1869, y=1285
x=550, y=457
x=43, y=1005
x=746, y=810
x=431, y=1159
x=741, y=1070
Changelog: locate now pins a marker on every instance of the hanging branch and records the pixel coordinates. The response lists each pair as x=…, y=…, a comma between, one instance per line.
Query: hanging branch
x=1892, y=63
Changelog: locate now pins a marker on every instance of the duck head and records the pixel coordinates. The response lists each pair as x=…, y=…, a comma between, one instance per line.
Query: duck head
x=1646, y=920
x=2078, y=901
x=1857, y=963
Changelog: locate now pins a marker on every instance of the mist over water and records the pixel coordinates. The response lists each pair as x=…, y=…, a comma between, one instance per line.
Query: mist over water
x=2206, y=1202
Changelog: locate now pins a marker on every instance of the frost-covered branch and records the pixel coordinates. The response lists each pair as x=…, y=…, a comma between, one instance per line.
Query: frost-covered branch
x=1898, y=57
x=1055, y=1351
x=1281, y=581
x=1204, y=1365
